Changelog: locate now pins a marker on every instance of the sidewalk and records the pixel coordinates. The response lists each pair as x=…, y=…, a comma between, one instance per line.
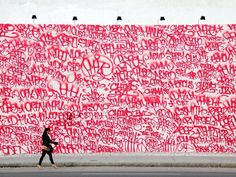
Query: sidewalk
x=125, y=159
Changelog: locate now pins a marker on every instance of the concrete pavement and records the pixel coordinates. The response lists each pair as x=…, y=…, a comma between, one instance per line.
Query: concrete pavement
x=125, y=159
x=109, y=171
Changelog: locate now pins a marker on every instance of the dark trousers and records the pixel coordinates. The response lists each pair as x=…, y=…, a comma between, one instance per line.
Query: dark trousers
x=44, y=152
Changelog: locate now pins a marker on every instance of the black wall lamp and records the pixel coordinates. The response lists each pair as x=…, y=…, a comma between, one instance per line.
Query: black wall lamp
x=162, y=18
x=74, y=19
x=34, y=17
x=119, y=18
x=202, y=18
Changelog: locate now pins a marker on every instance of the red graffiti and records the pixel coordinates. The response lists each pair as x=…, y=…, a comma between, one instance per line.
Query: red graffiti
x=116, y=88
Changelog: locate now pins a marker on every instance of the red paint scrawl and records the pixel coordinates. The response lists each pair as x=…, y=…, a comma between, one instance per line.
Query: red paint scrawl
x=113, y=88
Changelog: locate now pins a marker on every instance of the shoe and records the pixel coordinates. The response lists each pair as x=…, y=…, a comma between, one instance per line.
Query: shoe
x=39, y=167
x=54, y=166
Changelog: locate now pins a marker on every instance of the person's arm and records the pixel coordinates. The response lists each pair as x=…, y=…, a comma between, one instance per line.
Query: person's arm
x=54, y=142
x=47, y=140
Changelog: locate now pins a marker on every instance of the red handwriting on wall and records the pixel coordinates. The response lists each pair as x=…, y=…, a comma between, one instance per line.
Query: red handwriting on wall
x=116, y=88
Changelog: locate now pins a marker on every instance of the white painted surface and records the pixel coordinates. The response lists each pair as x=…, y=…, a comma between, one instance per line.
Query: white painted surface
x=144, y=12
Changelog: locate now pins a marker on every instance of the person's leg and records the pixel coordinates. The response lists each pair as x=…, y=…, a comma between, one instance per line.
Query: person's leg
x=50, y=156
x=41, y=158
x=51, y=159
x=43, y=155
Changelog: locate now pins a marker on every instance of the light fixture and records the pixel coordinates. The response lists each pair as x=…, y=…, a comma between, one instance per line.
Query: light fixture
x=34, y=17
x=75, y=18
x=162, y=18
x=119, y=18
x=202, y=18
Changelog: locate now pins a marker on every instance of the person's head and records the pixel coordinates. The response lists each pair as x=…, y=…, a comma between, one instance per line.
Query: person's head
x=46, y=130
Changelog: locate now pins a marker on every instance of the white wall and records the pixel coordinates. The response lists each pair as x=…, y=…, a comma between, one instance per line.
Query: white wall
x=105, y=11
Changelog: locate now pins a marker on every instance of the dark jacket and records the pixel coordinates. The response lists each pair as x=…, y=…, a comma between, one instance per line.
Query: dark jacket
x=47, y=141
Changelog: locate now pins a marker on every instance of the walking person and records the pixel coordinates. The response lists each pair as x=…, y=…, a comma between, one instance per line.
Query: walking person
x=47, y=148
